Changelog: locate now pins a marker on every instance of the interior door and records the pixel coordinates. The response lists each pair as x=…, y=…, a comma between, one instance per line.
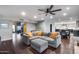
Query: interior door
x=50, y=27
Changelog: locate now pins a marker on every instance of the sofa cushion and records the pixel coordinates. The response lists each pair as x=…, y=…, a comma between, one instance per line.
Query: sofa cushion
x=47, y=38
x=46, y=34
x=53, y=35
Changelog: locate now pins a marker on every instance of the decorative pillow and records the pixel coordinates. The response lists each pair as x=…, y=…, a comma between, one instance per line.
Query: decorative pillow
x=53, y=35
x=39, y=33
x=29, y=34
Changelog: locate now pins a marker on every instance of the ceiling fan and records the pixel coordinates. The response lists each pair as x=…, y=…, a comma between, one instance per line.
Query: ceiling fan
x=49, y=10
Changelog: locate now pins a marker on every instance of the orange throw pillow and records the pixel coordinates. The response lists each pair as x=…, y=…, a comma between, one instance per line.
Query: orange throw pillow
x=39, y=33
x=53, y=35
x=29, y=34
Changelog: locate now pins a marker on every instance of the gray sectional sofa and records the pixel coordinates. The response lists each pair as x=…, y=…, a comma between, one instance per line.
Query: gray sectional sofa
x=40, y=43
x=51, y=42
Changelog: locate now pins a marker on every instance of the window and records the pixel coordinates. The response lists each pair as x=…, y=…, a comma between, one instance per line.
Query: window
x=3, y=26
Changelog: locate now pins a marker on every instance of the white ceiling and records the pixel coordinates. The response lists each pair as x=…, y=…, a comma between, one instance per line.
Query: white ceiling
x=13, y=12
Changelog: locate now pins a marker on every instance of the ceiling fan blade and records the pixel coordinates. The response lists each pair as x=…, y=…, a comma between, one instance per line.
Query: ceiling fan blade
x=56, y=10
x=40, y=10
x=51, y=7
x=52, y=13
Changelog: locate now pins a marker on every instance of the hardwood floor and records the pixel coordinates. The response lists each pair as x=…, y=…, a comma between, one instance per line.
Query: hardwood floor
x=7, y=47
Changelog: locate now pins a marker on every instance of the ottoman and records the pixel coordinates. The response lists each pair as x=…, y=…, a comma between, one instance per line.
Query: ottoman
x=39, y=44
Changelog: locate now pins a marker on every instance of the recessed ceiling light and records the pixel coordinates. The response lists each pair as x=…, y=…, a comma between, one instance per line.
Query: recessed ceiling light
x=67, y=8
x=64, y=14
x=70, y=18
x=42, y=18
x=51, y=17
x=23, y=13
x=35, y=16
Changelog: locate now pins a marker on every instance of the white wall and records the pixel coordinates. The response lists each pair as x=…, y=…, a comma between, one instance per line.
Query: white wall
x=45, y=26
x=40, y=26
x=30, y=26
x=6, y=33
